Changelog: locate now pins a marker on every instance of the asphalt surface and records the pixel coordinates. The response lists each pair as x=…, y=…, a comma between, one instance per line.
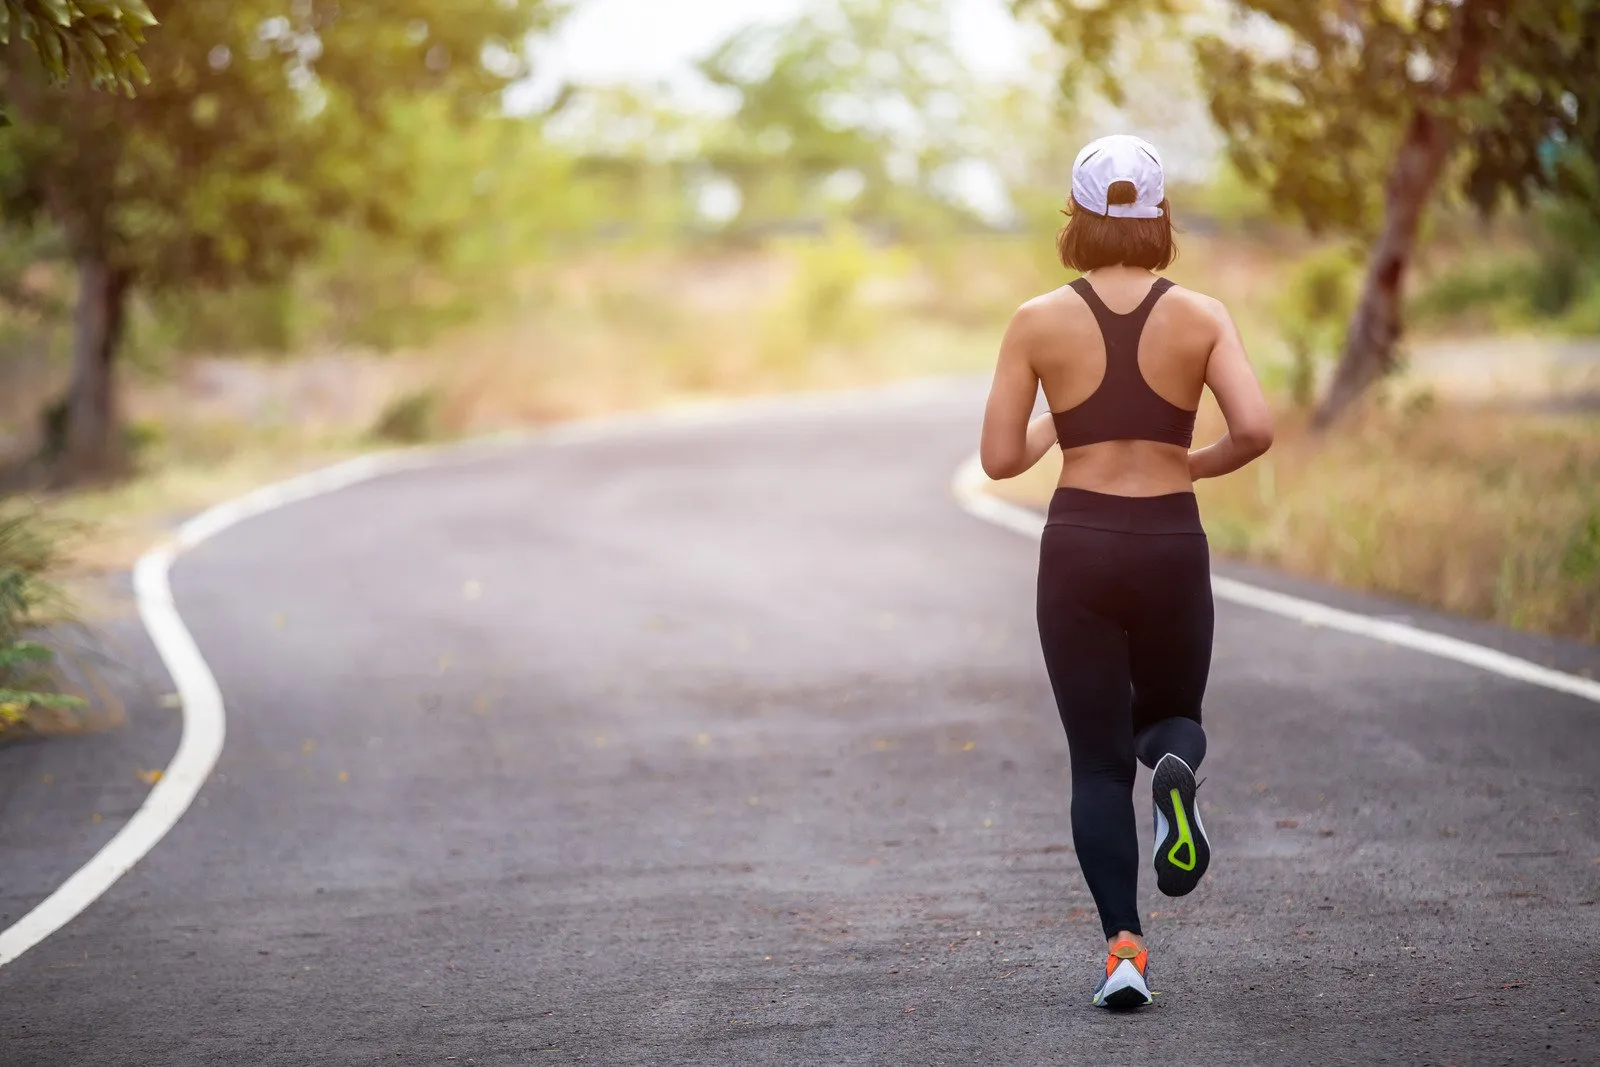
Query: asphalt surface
x=733, y=745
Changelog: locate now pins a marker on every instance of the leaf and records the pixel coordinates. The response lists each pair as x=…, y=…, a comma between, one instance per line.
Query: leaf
x=96, y=48
x=136, y=11
x=27, y=699
x=58, y=11
x=29, y=651
x=53, y=55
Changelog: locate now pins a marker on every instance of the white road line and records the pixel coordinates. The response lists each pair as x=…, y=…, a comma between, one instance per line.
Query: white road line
x=197, y=752
x=970, y=487
x=204, y=720
x=204, y=723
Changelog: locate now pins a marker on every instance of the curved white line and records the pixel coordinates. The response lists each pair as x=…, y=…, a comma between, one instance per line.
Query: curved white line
x=198, y=748
x=204, y=723
x=197, y=752
x=970, y=488
x=204, y=720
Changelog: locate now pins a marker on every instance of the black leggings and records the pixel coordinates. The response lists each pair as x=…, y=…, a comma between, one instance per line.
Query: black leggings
x=1125, y=620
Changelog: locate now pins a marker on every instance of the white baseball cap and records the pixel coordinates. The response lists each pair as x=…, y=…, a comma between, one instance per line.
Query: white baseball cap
x=1120, y=157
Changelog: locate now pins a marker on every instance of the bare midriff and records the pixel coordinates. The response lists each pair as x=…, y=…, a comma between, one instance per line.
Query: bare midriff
x=1127, y=468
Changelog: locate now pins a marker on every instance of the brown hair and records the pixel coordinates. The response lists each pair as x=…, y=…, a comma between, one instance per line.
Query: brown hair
x=1089, y=240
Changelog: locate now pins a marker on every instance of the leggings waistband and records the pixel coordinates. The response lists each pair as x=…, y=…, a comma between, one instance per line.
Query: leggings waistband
x=1170, y=513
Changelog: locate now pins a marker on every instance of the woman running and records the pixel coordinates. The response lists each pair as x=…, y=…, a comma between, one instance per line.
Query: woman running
x=1124, y=594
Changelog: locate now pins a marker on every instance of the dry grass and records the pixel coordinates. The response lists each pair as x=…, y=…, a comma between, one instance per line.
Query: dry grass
x=653, y=330
x=609, y=333
x=1491, y=515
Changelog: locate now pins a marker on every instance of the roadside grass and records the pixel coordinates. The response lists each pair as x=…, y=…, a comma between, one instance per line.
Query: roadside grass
x=1494, y=515
x=38, y=693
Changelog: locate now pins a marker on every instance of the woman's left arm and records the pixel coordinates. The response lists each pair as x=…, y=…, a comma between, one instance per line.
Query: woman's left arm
x=1010, y=443
x=1041, y=439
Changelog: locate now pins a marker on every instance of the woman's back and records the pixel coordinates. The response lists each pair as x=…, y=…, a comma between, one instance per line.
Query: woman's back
x=1111, y=399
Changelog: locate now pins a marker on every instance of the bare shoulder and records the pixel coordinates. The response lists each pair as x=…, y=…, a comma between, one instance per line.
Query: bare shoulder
x=1200, y=311
x=1045, y=310
x=1052, y=303
x=1199, y=304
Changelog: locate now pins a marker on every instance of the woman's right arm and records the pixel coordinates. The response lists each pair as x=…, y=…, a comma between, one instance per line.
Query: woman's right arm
x=1233, y=382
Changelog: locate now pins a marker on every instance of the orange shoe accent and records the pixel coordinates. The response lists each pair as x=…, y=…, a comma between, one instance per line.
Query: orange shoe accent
x=1127, y=950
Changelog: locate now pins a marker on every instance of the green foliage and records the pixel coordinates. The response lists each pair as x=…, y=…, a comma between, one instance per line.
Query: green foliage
x=260, y=136
x=1555, y=292
x=255, y=134
x=1556, y=284
x=142, y=437
x=1581, y=560
x=1478, y=290
x=825, y=301
x=410, y=418
x=827, y=286
x=98, y=39
x=1312, y=309
x=1229, y=202
x=1317, y=99
x=27, y=555
x=481, y=199
x=463, y=228
x=271, y=317
x=1583, y=318
x=1312, y=101
x=860, y=104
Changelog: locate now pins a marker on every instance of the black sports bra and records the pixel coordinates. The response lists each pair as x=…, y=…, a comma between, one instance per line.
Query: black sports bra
x=1123, y=407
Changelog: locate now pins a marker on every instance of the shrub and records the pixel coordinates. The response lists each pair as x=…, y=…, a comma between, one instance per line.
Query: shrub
x=828, y=301
x=1312, y=314
x=1584, y=316
x=410, y=418
x=1555, y=282
x=27, y=555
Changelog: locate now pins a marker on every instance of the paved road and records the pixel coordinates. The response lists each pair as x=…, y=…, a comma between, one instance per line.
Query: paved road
x=1549, y=372
x=732, y=745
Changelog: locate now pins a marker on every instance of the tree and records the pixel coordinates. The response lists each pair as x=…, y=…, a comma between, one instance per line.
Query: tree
x=638, y=156
x=862, y=100
x=1323, y=96
x=99, y=40
x=233, y=164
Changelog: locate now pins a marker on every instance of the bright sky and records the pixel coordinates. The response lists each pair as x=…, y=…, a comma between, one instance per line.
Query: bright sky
x=650, y=40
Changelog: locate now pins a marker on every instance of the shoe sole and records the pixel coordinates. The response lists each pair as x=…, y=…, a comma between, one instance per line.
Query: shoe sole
x=1131, y=991
x=1124, y=999
x=1182, y=851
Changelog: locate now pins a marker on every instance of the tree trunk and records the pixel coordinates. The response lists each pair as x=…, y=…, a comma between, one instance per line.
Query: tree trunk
x=91, y=399
x=1369, y=348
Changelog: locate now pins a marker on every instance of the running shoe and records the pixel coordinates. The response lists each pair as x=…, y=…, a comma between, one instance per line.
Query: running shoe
x=1124, y=985
x=1182, y=851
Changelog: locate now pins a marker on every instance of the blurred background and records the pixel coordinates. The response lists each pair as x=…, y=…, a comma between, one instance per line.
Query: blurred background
x=245, y=238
